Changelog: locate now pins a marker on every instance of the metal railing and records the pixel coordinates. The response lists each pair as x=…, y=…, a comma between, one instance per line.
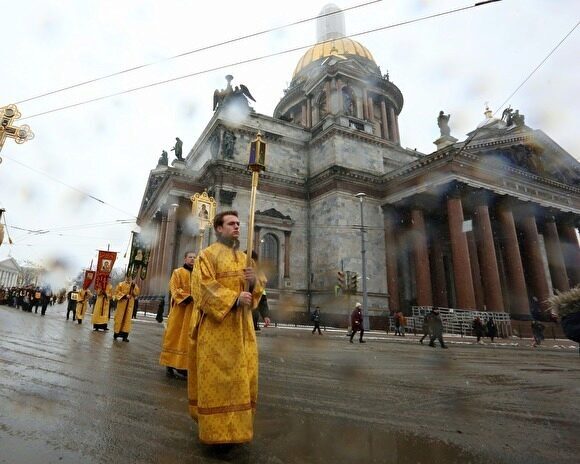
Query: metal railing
x=459, y=321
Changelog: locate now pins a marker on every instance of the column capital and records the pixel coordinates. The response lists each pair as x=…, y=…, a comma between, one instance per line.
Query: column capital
x=506, y=202
x=457, y=191
x=481, y=197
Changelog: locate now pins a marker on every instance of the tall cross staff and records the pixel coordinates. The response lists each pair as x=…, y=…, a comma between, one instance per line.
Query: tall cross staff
x=256, y=164
x=19, y=134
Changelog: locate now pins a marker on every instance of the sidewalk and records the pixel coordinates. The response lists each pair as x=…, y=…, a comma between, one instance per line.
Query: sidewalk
x=451, y=339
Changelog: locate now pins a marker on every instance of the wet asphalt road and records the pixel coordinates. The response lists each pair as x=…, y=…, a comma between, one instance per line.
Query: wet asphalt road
x=69, y=395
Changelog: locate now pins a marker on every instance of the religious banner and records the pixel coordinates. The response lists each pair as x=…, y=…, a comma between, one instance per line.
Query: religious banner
x=139, y=257
x=203, y=209
x=89, y=277
x=104, y=267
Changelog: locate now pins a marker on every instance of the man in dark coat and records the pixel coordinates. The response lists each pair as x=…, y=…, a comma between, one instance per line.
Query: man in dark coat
x=478, y=329
x=436, y=329
x=426, y=327
x=316, y=320
x=71, y=304
x=356, y=321
x=45, y=296
x=538, y=332
x=262, y=310
x=491, y=329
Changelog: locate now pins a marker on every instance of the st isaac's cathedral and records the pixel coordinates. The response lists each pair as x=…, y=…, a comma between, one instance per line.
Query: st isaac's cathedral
x=486, y=225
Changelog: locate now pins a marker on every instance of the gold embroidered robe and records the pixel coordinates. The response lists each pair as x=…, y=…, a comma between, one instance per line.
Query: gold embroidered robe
x=223, y=354
x=82, y=303
x=101, y=308
x=125, y=302
x=176, y=337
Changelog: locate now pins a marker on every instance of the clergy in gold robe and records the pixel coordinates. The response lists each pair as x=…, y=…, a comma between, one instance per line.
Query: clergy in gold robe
x=82, y=304
x=223, y=354
x=125, y=294
x=101, y=308
x=176, y=337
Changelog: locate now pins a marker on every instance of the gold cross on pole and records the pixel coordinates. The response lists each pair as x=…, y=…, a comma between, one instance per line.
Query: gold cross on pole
x=20, y=134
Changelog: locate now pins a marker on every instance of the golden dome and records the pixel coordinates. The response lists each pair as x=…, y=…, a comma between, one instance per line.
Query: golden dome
x=341, y=47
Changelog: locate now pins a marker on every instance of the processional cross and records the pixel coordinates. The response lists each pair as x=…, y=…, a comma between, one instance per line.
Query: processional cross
x=20, y=134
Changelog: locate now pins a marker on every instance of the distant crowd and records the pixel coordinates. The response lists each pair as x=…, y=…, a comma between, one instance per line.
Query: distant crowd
x=30, y=297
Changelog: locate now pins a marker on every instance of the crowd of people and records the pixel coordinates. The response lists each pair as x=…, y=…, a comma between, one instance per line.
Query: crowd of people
x=28, y=298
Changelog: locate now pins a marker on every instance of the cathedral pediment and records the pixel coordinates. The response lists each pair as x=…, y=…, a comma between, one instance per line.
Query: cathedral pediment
x=539, y=160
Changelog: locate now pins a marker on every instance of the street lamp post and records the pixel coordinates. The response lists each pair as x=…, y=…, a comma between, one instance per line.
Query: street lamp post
x=363, y=251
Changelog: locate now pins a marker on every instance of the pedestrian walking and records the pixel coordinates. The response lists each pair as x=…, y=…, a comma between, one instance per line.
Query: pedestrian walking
x=160, y=310
x=426, y=327
x=478, y=329
x=316, y=320
x=36, y=295
x=491, y=328
x=44, y=300
x=71, y=307
x=262, y=310
x=537, y=332
x=436, y=329
x=398, y=323
x=402, y=324
x=356, y=321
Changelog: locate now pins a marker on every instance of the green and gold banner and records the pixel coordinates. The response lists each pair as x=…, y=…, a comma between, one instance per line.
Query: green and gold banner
x=139, y=258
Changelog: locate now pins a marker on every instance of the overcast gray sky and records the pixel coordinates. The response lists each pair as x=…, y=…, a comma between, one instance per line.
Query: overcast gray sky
x=454, y=63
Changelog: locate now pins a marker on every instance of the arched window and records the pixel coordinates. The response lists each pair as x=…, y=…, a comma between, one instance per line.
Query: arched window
x=269, y=257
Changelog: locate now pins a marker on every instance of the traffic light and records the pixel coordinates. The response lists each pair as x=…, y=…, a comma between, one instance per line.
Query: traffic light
x=340, y=281
x=352, y=282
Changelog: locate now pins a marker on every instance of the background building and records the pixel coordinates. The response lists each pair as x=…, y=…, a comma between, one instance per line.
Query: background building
x=9, y=272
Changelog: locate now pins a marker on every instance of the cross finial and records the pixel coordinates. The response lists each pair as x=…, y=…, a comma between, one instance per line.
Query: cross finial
x=20, y=134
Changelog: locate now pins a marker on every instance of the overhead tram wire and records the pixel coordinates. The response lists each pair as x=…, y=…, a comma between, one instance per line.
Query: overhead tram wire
x=197, y=50
x=259, y=58
x=75, y=227
x=57, y=230
x=88, y=195
x=470, y=139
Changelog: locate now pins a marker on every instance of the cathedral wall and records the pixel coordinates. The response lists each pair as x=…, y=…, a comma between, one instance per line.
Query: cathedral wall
x=200, y=158
x=335, y=238
x=356, y=154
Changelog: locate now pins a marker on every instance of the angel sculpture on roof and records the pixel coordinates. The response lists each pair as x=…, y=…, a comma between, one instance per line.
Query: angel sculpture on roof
x=240, y=93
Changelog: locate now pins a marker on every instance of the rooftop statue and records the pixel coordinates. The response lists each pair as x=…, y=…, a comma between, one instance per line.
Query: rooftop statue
x=163, y=161
x=443, y=123
x=506, y=116
x=518, y=119
x=241, y=92
x=178, y=149
x=512, y=118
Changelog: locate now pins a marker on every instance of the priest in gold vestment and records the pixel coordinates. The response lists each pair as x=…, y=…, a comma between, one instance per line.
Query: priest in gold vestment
x=176, y=337
x=82, y=303
x=223, y=354
x=125, y=294
x=100, y=317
